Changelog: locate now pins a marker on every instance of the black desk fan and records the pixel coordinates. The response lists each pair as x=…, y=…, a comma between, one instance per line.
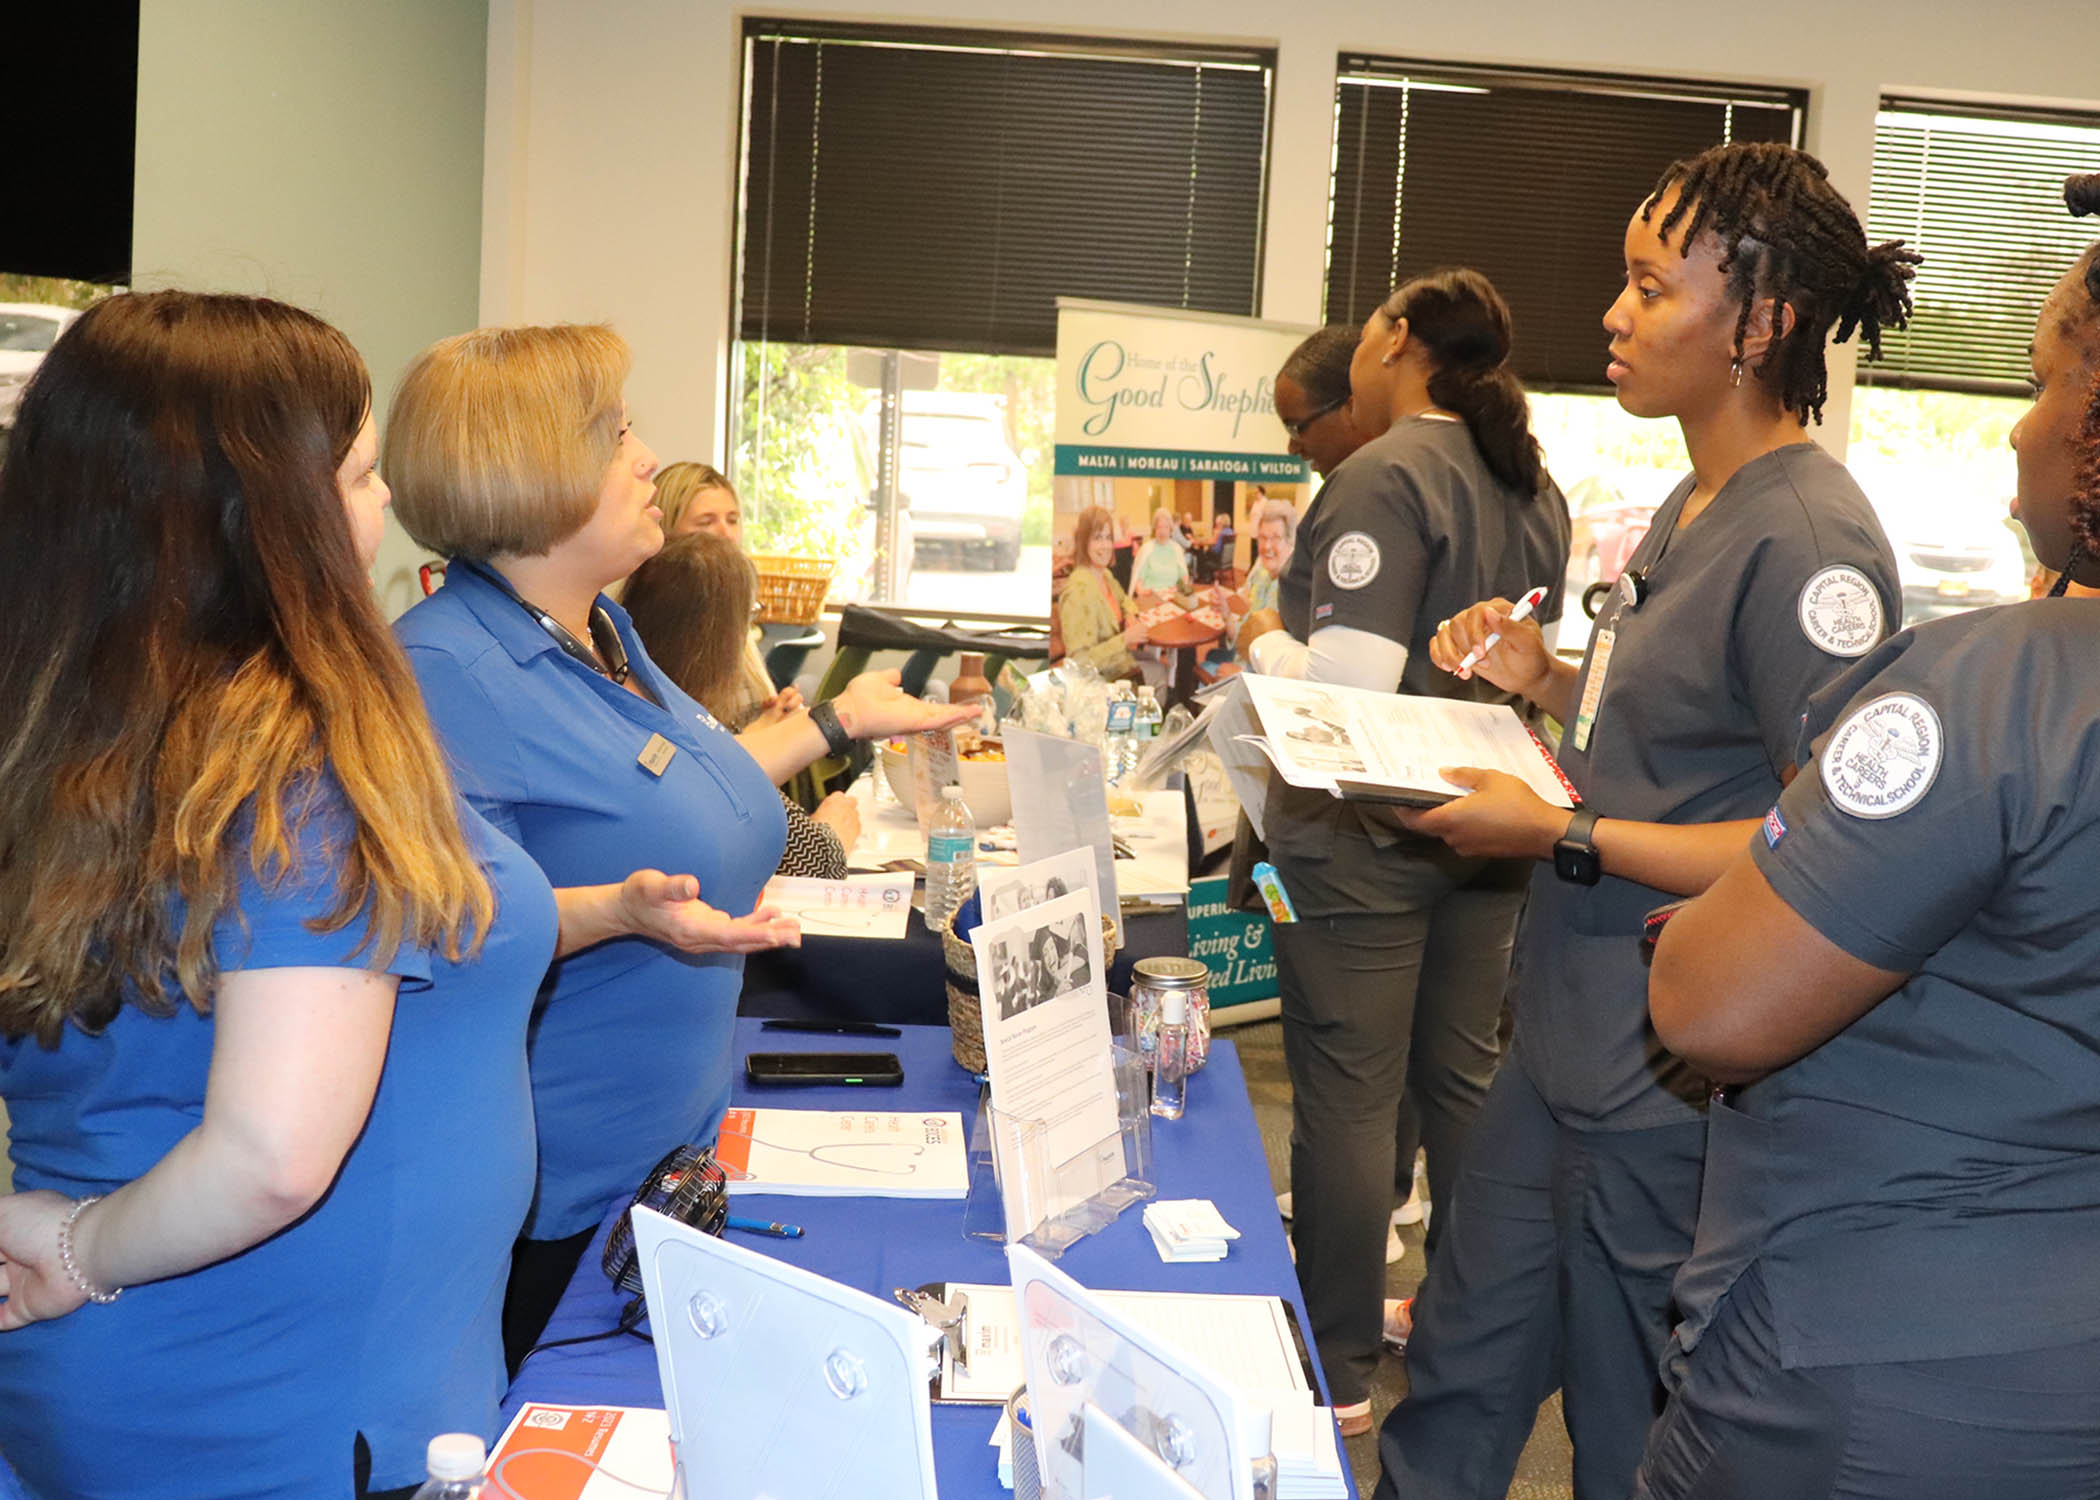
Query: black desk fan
x=687, y=1185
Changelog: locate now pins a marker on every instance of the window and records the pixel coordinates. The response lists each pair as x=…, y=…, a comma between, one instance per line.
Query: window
x=1529, y=177
x=914, y=201
x=1978, y=192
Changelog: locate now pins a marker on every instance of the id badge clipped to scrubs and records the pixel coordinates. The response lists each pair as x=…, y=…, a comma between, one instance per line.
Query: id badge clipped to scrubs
x=1593, y=686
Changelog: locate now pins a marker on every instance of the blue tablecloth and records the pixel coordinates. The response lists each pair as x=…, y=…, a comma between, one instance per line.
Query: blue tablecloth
x=877, y=1244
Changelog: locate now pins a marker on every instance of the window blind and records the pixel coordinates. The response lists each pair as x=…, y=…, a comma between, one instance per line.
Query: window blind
x=1527, y=177
x=1979, y=193
x=937, y=189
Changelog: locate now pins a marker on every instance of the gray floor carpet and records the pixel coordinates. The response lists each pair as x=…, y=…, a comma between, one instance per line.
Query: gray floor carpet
x=1543, y=1472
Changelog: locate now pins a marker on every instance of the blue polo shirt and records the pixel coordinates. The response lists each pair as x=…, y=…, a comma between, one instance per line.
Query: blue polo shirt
x=380, y=1309
x=630, y=1044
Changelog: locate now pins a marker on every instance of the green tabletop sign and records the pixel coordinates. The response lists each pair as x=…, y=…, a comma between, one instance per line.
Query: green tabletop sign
x=1234, y=943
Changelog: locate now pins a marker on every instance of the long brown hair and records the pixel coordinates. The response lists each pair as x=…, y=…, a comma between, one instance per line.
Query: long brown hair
x=691, y=605
x=190, y=647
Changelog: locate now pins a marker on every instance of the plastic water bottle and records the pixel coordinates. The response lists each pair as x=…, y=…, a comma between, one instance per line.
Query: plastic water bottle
x=951, y=858
x=1170, y=1066
x=1118, y=741
x=1150, y=716
x=454, y=1461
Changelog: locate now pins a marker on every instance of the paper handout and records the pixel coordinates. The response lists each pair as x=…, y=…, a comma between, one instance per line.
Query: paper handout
x=1390, y=747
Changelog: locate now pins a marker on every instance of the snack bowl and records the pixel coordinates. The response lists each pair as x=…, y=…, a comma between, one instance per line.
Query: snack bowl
x=984, y=784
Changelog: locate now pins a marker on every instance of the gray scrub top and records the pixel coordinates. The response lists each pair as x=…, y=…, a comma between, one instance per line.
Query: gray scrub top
x=1778, y=585
x=1409, y=529
x=1926, y=1184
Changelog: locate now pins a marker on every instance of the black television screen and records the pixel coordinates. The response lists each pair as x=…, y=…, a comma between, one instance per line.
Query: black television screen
x=69, y=116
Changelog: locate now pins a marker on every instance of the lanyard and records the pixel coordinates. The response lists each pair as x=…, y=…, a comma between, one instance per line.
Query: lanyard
x=609, y=660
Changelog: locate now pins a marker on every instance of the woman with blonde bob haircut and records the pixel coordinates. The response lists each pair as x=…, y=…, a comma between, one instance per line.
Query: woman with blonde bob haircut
x=228, y=842
x=511, y=452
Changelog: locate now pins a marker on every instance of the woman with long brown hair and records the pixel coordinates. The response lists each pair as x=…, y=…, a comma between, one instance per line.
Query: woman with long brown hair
x=691, y=605
x=1094, y=615
x=236, y=1256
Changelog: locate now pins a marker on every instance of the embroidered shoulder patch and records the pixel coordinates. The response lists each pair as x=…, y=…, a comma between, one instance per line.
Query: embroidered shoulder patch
x=1883, y=757
x=1840, y=612
x=1353, y=560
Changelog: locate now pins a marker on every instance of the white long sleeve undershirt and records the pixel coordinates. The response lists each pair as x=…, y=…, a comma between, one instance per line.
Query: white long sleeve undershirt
x=1338, y=654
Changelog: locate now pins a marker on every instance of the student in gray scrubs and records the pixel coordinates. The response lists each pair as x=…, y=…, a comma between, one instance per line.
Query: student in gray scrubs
x=1896, y=1289
x=1764, y=575
x=1392, y=977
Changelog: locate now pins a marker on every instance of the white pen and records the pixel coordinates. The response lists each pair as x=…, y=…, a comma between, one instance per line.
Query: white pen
x=1525, y=606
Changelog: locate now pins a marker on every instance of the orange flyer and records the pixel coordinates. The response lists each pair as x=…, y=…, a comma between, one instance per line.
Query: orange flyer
x=558, y=1453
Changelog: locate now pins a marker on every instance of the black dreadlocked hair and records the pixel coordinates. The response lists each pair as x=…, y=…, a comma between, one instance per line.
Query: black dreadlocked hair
x=2082, y=197
x=1320, y=365
x=1462, y=321
x=1788, y=236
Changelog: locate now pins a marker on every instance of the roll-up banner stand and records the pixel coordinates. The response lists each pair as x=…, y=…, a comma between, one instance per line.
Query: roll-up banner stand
x=1160, y=408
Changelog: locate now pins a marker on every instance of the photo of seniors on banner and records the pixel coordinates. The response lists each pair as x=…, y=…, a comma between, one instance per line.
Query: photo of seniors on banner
x=1168, y=453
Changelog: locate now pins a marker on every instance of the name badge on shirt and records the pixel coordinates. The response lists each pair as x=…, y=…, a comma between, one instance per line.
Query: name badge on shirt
x=1593, y=688
x=656, y=755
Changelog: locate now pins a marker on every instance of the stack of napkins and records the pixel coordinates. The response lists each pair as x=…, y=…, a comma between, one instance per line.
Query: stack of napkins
x=1188, y=1229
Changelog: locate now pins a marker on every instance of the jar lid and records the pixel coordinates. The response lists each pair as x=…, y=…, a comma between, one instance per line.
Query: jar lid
x=1172, y=973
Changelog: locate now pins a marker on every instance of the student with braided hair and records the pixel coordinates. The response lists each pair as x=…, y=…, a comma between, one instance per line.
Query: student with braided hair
x=1894, y=1291
x=1764, y=575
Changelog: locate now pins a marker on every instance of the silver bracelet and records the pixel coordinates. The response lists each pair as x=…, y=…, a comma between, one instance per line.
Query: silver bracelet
x=74, y=1274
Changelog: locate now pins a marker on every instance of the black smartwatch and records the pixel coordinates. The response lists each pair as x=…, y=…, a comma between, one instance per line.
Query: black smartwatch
x=1575, y=856
x=826, y=718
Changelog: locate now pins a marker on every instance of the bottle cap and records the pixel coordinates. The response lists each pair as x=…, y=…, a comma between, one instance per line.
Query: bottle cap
x=1174, y=1007
x=455, y=1455
x=952, y=793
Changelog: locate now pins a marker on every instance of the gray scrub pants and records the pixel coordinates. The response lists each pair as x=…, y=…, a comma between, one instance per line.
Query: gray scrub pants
x=2022, y=1426
x=1377, y=1005
x=1560, y=1247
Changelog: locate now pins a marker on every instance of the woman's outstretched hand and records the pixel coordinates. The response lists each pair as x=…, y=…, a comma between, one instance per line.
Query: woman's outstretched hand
x=874, y=706
x=668, y=909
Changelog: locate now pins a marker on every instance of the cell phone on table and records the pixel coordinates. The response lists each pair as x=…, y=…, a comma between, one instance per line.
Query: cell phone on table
x=851, y=1069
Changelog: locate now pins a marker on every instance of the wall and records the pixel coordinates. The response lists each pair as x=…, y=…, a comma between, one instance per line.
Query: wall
x=612, y=130
x=325, y=153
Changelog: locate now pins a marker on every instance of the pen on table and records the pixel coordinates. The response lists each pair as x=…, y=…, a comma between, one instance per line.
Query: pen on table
x=1525, y=606
x=832, y=1028
x=763, y=1226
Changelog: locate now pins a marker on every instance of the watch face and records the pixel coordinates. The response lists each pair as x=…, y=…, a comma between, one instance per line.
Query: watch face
x=1577, y=863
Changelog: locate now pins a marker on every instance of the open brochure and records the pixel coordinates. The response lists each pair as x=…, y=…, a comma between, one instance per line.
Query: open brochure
x=1390, y=747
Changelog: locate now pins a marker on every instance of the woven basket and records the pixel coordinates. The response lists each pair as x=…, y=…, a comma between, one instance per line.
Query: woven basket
x=965, y=1005
x=791, y=590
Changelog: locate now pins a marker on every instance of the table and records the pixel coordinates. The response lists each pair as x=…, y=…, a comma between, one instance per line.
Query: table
x=877, y=1244
x=1186, y=635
